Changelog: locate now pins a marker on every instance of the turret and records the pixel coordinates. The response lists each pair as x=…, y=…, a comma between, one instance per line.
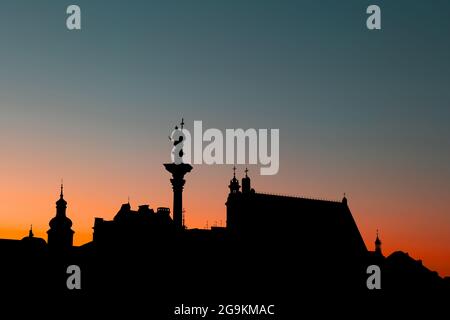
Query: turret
x=234, y=183
x=246, y=186
x=60, y=234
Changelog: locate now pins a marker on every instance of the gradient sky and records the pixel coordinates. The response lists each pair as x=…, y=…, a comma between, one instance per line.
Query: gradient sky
x=366, y=113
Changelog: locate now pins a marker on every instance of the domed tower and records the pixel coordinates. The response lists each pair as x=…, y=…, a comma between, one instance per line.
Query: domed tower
x=60, y=234
x=234, y=183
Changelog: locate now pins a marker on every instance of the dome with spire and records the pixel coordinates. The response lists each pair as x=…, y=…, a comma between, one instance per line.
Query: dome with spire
x=61, y=220
x=377, y=241
x=60, y=234
x=378, y=245
x=32, y=241
x=61, y=202
x=234, y=183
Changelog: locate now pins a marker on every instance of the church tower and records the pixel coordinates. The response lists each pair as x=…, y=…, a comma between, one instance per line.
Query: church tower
x=232, y=204
x=234, y=183
x=60, y=234
x=246, y=187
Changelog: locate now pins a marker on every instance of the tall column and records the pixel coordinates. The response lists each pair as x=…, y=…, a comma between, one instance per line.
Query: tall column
x=178, y=172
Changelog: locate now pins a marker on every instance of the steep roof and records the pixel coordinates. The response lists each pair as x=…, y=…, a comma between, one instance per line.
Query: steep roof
x=320, y=225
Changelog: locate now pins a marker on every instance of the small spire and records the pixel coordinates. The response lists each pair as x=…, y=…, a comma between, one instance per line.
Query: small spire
x=128, y=199
x=234, y=183
x=182, y=123
x=62, y=189
x=30, y=233
x=377, y=240
x=246, y=171
x=378, y=245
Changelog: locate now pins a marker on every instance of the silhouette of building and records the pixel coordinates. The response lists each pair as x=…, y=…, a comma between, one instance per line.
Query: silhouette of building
x=316, y=225
x=271, y=245
x=60, y=234
x=403, y=273
x=32, y=242
x=29, y=245
x=130, y=227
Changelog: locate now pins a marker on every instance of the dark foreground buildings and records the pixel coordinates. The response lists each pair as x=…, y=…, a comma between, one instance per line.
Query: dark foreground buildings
x=272, y=246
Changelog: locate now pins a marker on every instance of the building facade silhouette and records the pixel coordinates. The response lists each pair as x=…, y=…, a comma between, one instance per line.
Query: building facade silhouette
x=316, y=225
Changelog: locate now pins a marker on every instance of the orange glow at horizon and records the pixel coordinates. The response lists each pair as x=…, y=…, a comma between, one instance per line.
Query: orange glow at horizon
x=402, y=226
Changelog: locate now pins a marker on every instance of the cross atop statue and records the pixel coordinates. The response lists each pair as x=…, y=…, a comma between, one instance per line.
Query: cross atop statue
x=177, y=137
x=181, y=124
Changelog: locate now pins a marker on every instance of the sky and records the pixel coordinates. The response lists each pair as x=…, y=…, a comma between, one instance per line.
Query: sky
x=361, y=112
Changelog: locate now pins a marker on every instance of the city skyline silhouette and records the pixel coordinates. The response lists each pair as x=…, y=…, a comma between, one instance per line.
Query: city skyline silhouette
x=271, y=244
x=62, y=206
x=359, y=112
x=361, y=178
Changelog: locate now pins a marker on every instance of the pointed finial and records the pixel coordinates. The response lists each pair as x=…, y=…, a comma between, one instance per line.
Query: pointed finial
x=234, y=171
x=246, y=171
x=62, y=189
x=30, y=234
x=128, y=199
x=377, y=240
x=182, y=123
